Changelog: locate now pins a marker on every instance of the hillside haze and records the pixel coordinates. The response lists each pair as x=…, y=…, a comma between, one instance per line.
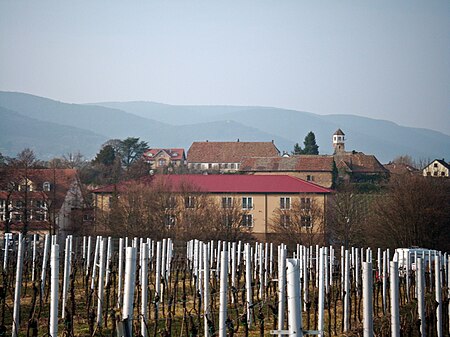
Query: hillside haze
x=84, y=127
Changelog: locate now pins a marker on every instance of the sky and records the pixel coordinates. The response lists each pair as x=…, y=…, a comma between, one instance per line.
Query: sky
x=384, y=59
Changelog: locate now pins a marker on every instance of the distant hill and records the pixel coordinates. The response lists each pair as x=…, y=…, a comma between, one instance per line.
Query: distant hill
x=46, y=139
x=85, y=127
x=114, y=123
x=383, y=138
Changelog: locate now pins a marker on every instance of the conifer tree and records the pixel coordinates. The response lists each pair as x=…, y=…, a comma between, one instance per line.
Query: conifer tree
x=310, y=146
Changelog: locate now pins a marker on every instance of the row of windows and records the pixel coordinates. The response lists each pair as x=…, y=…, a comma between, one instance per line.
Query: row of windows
x=19, y=204
x=227, y=202
x=305, y=220
x=36, y=216
x=46, y=186
x=211, y=166
x=246, y=220
x=436, y=174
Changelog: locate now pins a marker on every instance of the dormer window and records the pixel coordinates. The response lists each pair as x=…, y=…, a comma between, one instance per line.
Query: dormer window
x=46, y=186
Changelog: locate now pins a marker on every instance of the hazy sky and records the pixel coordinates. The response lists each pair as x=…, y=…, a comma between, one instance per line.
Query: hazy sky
x=382, y=59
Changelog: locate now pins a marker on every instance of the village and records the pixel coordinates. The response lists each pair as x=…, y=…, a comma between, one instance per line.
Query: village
x=250, y=189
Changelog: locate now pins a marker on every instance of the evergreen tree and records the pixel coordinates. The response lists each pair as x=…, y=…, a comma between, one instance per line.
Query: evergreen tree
x=297, y=149
x=310, y=144
x=131, y=149
x=106, y=156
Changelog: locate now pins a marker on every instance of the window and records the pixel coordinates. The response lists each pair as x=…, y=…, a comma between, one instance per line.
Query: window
x=209, y=166
x=46, y=186
x=161, y=162
x=305, y=203
x=170, y=202
x=189, y=202
x=435, y=173
x=19, y=204
x=233, y=166
x=247, y=220
x=247, y=203
x=443, y=174
x=17, y=216
x=87, y=217
x=110, y=202
x=306, y=221
x=285, y=220
x=435, y=165
x=285, y=203
x=39, y=216
x=227, y=202
x=169, y=220
x=227, y=220
x=309, y=178
x=226, y=165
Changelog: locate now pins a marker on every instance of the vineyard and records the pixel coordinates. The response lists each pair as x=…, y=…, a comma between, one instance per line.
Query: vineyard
x=103, y=286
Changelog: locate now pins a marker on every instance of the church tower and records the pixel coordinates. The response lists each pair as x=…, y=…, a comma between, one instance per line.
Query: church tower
x=339, y=141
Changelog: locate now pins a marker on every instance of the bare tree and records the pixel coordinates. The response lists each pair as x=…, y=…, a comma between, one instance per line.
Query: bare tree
x=157, y=210
x=302, y=222
x=347, y=216
x=415, y=211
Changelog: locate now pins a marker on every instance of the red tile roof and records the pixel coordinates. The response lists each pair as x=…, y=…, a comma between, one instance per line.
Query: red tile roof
x=229, y=152
x=175, y=154
x=358, y=162
x=226, y=183
x=308, y=163
x=401, y=168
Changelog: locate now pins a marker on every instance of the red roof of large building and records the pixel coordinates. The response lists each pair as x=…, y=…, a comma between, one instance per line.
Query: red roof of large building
x=229, y=152
x=307, y=163
x=224, y=183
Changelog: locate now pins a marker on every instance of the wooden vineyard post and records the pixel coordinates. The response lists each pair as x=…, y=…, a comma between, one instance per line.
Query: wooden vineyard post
x=66, y=276
x=346, y=287
x=54, y=288
x=88, y=255
x=248, y=282
x=120, y=274
x=395, y=307
x=421, y=294
x=322, y=277
x=206, y=301
x=144, y=288
x=158, y=276
x=223, y=293
x=294, y=298
x=18, y=288
x=101, y=283
x=94, y=263
x=44, y=261
x=367, y=300
x=438, y=294
x=281, y=286
x=128, y=296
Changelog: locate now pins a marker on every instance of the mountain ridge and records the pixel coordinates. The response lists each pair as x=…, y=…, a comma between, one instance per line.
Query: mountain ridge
x=165, y=125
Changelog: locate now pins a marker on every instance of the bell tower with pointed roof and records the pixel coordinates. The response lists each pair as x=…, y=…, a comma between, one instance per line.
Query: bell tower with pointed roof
x=339, y=141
